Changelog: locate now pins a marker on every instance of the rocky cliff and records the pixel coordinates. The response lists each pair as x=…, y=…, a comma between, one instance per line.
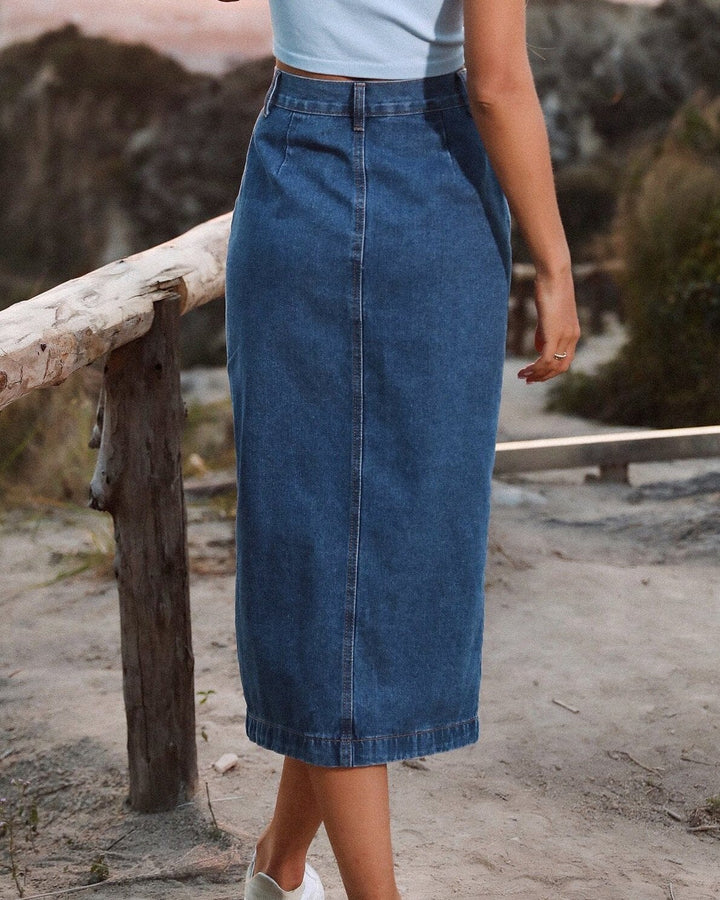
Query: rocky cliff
x=607, y=72
x=108, y=148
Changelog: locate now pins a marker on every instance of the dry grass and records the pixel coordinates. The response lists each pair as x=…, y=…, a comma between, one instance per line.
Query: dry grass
x=44, y=452
x=208, y=434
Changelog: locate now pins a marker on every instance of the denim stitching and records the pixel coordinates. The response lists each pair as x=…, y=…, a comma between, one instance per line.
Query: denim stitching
x=272, y=90
x=358, y=249
x=446, y=144
x=362, y=740
x=287, y=143
x=320, y=108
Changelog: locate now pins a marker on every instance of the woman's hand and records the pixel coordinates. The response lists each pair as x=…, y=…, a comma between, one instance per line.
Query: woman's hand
x=558, y=329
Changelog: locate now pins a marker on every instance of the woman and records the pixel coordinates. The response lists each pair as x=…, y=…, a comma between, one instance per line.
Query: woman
x=367, y=285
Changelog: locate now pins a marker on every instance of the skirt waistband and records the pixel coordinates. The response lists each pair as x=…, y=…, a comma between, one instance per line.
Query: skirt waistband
x=326, y=97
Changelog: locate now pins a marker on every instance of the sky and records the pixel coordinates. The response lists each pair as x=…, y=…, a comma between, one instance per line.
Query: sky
x=205, y=35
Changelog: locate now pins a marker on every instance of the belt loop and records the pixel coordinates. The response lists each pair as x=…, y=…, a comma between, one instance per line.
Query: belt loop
x=272, y=90
x=359, y=106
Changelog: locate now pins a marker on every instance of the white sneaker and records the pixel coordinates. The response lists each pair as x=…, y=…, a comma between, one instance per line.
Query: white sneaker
x=263, y=887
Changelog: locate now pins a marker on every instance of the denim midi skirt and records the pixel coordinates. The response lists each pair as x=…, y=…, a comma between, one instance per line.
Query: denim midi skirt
x=367, y=285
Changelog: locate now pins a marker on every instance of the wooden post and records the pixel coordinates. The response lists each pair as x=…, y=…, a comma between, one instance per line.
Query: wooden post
x=138, y=479
x=522, y=293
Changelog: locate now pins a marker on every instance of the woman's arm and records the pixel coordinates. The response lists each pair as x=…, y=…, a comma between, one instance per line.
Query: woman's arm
x=508, y=115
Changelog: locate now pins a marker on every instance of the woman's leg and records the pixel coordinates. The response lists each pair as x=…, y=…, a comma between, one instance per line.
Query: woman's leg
x=283, y=846
x=355, y=808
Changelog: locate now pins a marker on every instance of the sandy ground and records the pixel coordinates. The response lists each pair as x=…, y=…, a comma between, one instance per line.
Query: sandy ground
x=600, y=705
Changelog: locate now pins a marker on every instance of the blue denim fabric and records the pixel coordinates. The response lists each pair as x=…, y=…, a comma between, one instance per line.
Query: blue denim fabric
x=367, y=283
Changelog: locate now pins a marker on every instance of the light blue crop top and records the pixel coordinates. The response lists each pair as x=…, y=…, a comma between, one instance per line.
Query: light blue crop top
x=369, y=38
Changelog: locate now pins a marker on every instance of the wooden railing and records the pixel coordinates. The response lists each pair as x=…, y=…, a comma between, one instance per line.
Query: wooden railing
x=129, y=312
x=611, y=453
x=45, y=339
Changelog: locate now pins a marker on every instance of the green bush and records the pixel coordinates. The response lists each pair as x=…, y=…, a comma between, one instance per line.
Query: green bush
x=668, y=234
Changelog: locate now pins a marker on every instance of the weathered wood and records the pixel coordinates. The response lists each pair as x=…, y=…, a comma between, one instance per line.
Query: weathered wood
x=606, y=450
x=614, y=473
x=138, y=479
x=520, y=298
x=45, y=339
x=526, y=271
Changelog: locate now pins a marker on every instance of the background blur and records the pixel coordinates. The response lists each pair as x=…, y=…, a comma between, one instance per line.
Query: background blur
x=204, y=35
x=124, y=124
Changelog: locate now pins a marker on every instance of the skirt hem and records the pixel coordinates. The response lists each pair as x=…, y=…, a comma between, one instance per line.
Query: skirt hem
x=350, y=753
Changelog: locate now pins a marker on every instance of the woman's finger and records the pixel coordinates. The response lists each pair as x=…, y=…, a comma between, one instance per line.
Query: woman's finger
x=549, y=364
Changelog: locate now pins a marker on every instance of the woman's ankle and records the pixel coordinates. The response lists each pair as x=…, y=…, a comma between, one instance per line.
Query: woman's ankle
x=287, y=869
